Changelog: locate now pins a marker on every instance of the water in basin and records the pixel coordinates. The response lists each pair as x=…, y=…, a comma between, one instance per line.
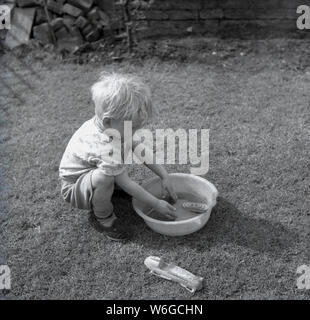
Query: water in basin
x=181, y=213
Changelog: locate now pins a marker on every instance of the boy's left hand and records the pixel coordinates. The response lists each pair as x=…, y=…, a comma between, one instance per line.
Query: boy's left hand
x=168, y=187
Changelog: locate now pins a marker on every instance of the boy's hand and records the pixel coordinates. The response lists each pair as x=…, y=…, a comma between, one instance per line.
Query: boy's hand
x=165, y=209
x=168, y=187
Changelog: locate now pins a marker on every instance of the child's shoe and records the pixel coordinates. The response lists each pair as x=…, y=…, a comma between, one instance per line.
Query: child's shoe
x=115, y=232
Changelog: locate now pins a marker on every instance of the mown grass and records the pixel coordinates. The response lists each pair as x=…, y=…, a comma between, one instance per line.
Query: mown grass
x=257, y=109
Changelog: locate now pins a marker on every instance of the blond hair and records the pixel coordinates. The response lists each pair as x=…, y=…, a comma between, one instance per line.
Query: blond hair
x=121, y=96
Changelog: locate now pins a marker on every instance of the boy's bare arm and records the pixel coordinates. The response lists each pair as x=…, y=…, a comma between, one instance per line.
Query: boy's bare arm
x=166, y=181
x=149, y=157
x=158, y=170
x=137, y=192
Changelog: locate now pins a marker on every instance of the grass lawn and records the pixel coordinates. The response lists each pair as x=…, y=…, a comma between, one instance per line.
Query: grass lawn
x=255, y=101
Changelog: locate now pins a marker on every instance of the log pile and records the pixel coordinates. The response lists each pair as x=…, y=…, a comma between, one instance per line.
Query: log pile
x=67, y=23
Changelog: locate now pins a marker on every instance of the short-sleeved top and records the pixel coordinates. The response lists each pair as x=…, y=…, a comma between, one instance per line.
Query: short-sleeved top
x=90, y=148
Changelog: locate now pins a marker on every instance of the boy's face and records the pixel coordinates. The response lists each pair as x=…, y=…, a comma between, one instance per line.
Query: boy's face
x=118, y=124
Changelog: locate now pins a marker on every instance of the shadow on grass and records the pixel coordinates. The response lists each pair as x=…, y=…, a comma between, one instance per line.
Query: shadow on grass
x=227, y=225
x=230, y=225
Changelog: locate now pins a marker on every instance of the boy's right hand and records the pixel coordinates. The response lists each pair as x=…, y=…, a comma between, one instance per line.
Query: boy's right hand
x=165, y=209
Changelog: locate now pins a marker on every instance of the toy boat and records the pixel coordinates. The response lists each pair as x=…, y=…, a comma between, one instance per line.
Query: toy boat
x=174, y=273
x=195, y=207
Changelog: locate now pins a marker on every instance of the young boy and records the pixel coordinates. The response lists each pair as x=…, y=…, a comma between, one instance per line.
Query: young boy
x=89, y=172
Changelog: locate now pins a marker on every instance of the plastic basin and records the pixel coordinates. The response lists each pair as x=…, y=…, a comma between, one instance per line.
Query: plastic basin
x=183, y=183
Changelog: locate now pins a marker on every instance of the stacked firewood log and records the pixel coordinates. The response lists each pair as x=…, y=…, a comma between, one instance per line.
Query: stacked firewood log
x=67, y=22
